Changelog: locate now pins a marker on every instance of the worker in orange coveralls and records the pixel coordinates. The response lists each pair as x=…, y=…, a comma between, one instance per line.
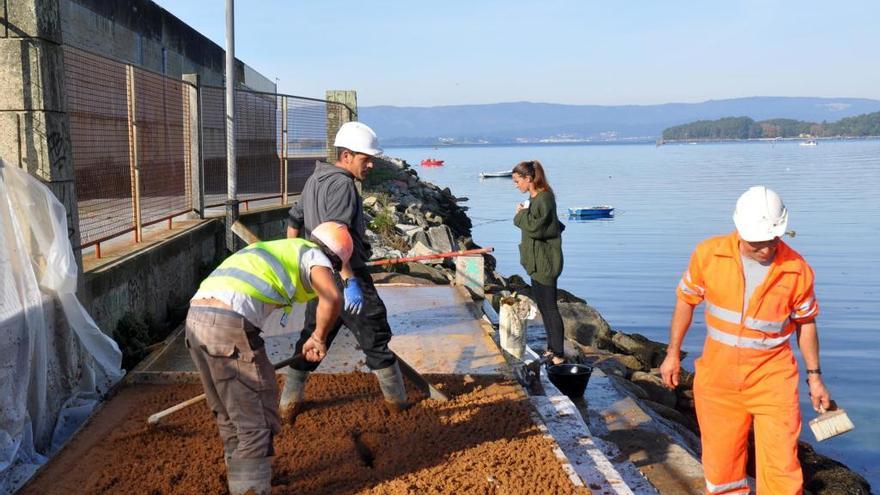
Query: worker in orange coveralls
x=758, y=291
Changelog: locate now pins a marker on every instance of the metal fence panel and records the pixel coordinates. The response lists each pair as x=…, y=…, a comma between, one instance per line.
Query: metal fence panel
x=306, y=139
x=162, y=117
x=213, y=138
x=98, y=111
x=259, y=147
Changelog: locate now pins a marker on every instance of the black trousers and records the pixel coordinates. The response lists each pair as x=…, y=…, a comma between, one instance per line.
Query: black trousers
x=545, y=298
x=370, y=327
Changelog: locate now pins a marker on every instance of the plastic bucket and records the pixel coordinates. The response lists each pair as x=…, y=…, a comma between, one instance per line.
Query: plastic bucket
x=570, y=379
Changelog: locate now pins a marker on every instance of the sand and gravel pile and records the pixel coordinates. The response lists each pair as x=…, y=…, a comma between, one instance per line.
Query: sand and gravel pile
x=482, y=441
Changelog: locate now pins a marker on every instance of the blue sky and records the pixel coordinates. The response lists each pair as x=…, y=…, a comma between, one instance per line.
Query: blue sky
x=577, y=52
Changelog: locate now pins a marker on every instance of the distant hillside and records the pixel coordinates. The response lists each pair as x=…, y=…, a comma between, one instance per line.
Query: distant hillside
x=546, y=122
x=746, y=128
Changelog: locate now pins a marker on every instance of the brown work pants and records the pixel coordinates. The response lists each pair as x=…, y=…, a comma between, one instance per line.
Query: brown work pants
x=238, y=378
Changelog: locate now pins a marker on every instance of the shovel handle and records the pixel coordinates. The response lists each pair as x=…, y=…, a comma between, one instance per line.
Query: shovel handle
x=423, y=385
x=155, y=418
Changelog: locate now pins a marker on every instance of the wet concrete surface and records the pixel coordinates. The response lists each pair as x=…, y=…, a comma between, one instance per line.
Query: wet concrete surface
x=435, y=331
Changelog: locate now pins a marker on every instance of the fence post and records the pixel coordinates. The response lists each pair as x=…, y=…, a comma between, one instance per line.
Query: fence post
x=284, y=179
x=133, y=151
x=34, y=124
x=197, y=167
x=342, y=110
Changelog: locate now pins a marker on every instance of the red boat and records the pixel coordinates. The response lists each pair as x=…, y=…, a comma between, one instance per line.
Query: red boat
x=432, y=162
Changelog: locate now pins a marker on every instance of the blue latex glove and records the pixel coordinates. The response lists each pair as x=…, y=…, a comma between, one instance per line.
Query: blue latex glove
x=354, y=296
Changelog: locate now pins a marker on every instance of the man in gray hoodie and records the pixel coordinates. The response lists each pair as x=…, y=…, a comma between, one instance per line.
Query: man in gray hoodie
x=330, y=195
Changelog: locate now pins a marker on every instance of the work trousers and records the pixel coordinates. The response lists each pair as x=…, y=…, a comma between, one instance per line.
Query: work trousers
x=370, y=327
x=545, y=298
x=238, y=379
x=730, y=397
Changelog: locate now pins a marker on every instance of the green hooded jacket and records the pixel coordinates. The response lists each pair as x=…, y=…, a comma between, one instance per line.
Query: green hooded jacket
x=540, y=250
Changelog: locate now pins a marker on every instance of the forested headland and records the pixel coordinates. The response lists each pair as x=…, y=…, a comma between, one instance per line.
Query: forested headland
x=746, y=128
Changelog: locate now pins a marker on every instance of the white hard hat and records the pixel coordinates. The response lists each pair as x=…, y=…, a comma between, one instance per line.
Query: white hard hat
x=357, y=137
x=760, y=215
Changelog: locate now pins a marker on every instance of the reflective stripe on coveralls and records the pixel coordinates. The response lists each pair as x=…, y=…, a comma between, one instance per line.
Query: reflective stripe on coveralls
x=742, y=484
x=266, y=271
x=747, y=372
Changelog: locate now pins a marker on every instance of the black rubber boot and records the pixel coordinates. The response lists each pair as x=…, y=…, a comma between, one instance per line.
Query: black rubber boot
x=293, y=395
x=250, y=476
x=393, y=389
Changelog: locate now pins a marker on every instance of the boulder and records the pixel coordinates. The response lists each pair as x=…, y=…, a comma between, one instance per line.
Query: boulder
x=407, y=230
x=414, y=216
x=563, y=295
x=685, y=399
x=427, y=272
x=398, y=278
x=515, y=283
x=370, y=202
x=634, y=345
x=825, y=476
x=379, y=252
x=660, y=353
x=408, y=200
x=440, y=239
x=653, y=385
x=686, y=380
x=582, y=323
x=434, y=219
x=632, y=363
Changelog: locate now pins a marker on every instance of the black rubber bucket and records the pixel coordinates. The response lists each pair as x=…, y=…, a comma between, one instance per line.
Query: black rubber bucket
x=570, y=379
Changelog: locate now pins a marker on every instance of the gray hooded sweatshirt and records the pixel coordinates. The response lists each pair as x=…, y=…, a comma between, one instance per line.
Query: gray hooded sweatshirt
x=330, y=195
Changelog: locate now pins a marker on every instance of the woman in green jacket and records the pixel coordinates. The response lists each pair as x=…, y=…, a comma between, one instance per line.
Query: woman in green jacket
x=540, y=250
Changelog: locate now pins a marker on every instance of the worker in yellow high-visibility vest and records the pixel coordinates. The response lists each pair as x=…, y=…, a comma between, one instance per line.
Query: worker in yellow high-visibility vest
x=222, y=334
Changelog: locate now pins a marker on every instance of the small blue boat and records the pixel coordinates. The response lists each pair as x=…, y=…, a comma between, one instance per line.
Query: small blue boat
x=601, y=211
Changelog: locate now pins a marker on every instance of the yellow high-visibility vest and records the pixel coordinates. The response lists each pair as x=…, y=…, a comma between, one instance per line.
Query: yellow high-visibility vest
x=267, y=271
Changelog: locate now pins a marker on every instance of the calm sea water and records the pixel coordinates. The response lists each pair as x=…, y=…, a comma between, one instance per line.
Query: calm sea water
x=667, y=199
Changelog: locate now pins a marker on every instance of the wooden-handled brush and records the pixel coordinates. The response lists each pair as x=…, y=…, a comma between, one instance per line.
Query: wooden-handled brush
x=830, y=422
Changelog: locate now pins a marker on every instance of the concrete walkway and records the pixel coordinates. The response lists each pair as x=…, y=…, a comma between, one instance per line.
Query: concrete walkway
x=435, y=331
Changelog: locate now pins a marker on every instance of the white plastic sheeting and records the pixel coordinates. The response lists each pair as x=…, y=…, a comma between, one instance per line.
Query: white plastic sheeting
x=55, y=363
